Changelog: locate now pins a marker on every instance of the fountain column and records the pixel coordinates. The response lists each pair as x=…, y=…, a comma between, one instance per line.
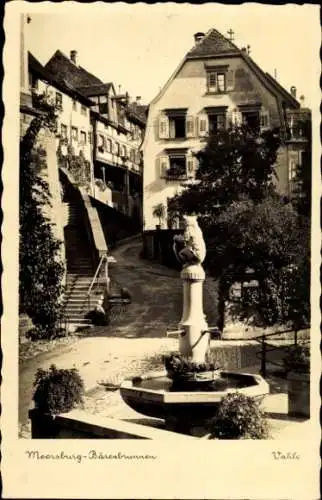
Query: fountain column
x=194, y=337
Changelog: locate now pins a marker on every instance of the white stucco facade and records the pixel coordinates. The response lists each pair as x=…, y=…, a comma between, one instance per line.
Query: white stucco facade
x=205, y=93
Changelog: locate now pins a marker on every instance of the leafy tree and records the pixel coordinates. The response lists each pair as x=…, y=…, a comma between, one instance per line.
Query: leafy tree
x=250, y=235
x=235, y=163
x=40, y=275
x=244, y=220
x=303, y=178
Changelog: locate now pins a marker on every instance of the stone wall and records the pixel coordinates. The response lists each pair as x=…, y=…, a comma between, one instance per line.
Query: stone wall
x=78, y=424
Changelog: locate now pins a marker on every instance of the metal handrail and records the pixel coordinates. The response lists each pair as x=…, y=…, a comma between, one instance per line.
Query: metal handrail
x=107, y=260
x=95, y=275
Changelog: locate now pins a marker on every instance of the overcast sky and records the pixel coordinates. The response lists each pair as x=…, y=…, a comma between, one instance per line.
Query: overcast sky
x=139, y=46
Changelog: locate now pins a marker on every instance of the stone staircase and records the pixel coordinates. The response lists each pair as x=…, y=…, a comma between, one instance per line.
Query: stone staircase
x=80, y=270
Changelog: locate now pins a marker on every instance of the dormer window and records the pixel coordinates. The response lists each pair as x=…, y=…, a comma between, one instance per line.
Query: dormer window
x=216, y=82
x=216, y=79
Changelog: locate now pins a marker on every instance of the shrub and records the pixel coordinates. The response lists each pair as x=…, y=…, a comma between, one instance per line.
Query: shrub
x=239, y=417
x=125, y=294
x=42, y=333
x=297, y=359
x=58, y=390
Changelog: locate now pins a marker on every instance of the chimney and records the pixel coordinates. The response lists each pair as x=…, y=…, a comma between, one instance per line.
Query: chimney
x=198, y=37
x=293, y=92
x=73, y=56
x=138, y=99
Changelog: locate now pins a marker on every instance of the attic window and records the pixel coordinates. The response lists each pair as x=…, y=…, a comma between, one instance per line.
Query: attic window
x=216, y=78
x=216, y=82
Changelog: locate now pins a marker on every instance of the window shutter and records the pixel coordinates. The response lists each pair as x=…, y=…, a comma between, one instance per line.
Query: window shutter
x=190, y=126
x=190, y=165
x=264, y=119
x=163, y=166
x=230, y=80
x=211, y=81
x=203, y=125
x=237, y=118
x=163, y=127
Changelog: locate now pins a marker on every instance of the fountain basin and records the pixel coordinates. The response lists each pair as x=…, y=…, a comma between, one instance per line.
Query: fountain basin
x=155, y=395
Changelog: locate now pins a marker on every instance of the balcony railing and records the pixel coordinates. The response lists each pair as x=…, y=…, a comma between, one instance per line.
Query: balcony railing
x=118, y=161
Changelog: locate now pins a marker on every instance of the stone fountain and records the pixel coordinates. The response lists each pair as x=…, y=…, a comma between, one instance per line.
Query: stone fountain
x=186, y=400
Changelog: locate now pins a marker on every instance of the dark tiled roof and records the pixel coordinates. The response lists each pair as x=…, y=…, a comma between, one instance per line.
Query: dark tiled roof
x=54, y=79
x=37, y=68
x=75, y=75
x=93, y=90
x=139, y=110
x=214, y=43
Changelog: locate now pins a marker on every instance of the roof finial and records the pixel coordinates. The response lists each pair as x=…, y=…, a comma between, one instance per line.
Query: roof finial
x=248, y=49
x=230, y=34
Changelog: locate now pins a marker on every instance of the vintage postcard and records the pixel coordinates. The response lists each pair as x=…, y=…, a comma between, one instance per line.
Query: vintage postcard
x=161, y=251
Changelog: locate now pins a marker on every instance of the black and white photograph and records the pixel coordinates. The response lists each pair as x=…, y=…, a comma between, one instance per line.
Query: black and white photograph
x=161, y=226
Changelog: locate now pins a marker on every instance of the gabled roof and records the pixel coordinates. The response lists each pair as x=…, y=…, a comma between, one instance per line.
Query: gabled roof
x=213, y=43
x=96, y=89
x=55, y=80
x=37, y=68
x=282, y=90
x=75, y=75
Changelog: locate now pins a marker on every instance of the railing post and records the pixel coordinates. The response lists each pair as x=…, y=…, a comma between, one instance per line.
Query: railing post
x=263, y=359
x=107, y=278
x=295, y=337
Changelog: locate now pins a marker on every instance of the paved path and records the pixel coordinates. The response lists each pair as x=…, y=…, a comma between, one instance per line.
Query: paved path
x=122, y=347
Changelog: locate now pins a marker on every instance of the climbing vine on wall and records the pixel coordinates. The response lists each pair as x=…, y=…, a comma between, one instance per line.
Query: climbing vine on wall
x=40, y=268
x=77, y=165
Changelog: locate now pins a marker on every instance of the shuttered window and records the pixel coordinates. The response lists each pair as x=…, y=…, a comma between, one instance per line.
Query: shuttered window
x=202, y=125
x=264, y=119
x=190, y=126
x=162, y=166
x=163, y=127
x=236, y=118
x=190, y=165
